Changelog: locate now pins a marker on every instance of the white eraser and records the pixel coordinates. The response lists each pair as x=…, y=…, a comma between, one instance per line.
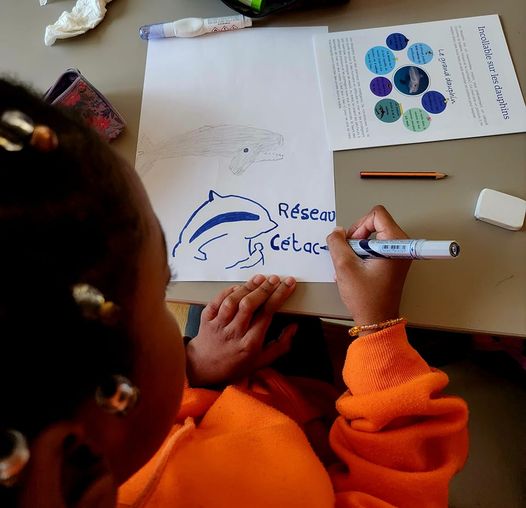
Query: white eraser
x=500, y=209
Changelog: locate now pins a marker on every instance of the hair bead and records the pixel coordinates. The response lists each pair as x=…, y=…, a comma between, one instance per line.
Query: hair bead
x=93, y=304
x=14, y=455
x=17, y=129
x=118, y=396
x=44, y=139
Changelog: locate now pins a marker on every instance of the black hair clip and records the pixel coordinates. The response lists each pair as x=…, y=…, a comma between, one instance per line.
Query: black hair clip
x=18, y=130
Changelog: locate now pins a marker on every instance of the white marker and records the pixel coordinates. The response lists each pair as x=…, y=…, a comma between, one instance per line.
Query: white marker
x=404, y=249
x=192, y=27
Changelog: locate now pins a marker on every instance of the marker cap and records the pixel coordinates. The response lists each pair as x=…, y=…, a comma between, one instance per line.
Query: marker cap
x=438, y=249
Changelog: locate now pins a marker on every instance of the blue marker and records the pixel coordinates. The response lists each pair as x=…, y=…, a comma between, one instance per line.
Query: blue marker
x=404, y=249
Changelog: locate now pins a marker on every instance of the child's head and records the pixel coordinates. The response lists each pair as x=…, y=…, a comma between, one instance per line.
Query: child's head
x=79, y=215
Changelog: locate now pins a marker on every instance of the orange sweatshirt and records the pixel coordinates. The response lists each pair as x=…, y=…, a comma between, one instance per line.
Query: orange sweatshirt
x=396, y=441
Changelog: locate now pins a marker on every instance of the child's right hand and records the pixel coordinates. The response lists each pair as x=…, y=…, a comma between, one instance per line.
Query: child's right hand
x=371, y=289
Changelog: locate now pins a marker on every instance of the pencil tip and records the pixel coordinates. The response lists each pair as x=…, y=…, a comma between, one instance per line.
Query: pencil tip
x=441, y=175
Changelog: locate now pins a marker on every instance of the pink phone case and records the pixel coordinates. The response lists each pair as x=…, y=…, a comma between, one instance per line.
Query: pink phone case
x=73, y=90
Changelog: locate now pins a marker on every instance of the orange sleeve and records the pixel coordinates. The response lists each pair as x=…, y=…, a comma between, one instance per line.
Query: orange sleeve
x=400, y=439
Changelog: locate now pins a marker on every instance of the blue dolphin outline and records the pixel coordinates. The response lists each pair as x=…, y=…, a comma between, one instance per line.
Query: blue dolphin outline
x=222, y=218
x=257, y=247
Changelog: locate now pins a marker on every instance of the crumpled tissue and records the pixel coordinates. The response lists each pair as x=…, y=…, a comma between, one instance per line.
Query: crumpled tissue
x=86, y=14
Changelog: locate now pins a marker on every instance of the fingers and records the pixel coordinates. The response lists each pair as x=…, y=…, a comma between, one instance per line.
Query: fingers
x=239, y=303
x=378, y=221
x=267, y=297
x=277, y=348
x=225, y=303
x=251, y=302
x=229, y=306
x=280, y=296
x=343, y=257
x=212, y=309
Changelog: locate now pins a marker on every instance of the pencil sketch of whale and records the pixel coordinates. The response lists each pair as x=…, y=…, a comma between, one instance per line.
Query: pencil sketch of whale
x=223, y=230
x=241, y=144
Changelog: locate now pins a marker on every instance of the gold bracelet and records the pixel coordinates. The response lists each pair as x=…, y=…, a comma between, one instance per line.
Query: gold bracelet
x=355, y=330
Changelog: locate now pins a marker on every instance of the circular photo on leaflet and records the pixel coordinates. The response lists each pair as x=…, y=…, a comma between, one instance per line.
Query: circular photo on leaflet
x=381, y=86
x=434, y=102
x=420, y=53
x=411, y=80
x=388, y=110
x=416, y=120
x=396, y=41
x=380, y=60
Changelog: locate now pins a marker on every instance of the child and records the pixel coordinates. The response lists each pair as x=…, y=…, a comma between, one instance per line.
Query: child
x=94, y=393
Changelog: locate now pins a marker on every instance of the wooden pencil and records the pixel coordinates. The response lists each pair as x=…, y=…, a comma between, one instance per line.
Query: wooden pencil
x=430, y=175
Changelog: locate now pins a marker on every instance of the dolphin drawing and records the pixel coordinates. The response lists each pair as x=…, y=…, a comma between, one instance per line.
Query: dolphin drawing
x=231, y=221
x=243, y=145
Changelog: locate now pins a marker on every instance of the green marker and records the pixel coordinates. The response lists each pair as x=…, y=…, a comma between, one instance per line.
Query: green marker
x=253, y=4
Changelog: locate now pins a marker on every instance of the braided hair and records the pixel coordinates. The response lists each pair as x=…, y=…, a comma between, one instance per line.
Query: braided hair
x=67, y=216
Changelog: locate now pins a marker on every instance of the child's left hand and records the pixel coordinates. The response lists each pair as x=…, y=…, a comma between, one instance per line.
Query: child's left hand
x=230, y=344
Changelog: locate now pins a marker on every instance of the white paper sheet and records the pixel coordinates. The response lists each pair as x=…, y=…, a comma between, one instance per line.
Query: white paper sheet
x=233, y=153
x=421, y=82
